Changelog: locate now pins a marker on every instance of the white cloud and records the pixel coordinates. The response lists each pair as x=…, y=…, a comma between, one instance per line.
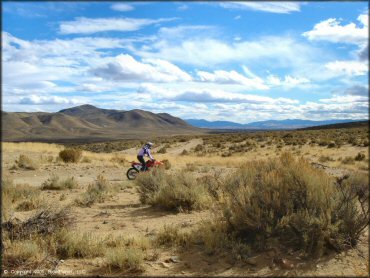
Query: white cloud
x=83, y=25
x=125, y=68
x=351, y=68
x=271, y=7
x=122, y=7
x=190, y=49
x=182, y=7
x=232, y=77
x=288, y=81
x=43, y=100
x=331, y=30
x=193, y=93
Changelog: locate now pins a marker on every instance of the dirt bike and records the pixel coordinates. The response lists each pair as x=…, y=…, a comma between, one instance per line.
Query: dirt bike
x=136, y=168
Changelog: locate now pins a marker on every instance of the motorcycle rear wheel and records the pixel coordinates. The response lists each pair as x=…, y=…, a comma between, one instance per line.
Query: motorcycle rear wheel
x=132, y=173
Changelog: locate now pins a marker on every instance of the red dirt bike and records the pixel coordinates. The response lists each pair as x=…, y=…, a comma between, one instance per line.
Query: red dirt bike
x=136, y=168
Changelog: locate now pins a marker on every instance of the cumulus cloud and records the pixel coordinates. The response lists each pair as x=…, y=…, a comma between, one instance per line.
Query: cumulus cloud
x=125, y=68
x=43, y=100
x=232, y=77
x=351, y=68
x=190, y=49
x=271, y=7
x=83, y=25
x=122, y=7
x=331, y=30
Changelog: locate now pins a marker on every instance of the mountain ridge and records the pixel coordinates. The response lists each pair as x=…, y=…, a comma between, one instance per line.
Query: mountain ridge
x=90, y=123
x=266, y=125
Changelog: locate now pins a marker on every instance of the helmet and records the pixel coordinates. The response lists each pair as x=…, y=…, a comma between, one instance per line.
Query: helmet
x=149, y=144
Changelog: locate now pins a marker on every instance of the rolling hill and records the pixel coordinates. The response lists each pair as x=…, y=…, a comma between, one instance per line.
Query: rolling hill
x=89, y=123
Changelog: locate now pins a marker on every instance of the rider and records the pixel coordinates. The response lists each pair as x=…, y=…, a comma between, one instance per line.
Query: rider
x=145, y=150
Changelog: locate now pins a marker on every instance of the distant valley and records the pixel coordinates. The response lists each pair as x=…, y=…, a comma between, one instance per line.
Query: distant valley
x=266, y=125
x=87, y=123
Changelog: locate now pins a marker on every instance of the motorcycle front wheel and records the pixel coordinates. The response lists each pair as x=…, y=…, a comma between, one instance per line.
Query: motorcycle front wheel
x=132, y=173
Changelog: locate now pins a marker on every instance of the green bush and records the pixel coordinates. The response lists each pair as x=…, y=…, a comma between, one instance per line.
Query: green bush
x=172, y=192
x=70, y=155
x=288, y=200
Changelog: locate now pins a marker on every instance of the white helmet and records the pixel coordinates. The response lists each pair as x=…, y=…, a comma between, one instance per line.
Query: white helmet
x=149, y=144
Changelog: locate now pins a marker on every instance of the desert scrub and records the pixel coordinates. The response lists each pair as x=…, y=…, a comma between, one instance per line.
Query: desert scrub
x=54, y=183
x=129, y=259
x=360, y=157
x=24, y=162
x=348, y=160
x=166, y=164
x=176, y=192
x=70, y=155
x=77, y=245
x=162, y=150
x=21, y=197
x=22, y=252
x=287, y=200
x=325, y=158
x=96, y=192
x=128, y=253
x=170, y=235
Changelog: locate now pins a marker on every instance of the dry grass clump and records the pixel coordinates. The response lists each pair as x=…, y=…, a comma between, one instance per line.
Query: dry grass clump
x=170, y=235
x=289, y=201
x=24, y=162
x=54, y=183
x=325, y=158
x=96, y=192
x=128, y=253
x=360, y=157
x=21, y=197
x=167, y=164
x=22, y=253
x=348, y=160
x=180, y=192
x=77, y=245
x=130, y=259
x=70, y=155
x=162, y=150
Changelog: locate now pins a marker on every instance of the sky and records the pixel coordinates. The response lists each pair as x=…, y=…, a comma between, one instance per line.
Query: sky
x=234, y=61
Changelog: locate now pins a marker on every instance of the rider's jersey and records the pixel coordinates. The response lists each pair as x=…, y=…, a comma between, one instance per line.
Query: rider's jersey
x=145, y=151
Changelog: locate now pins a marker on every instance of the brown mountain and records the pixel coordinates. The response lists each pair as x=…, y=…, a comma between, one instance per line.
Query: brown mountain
x=89, y=123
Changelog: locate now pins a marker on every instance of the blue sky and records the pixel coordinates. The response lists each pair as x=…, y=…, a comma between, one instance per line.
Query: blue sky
x=237, y=61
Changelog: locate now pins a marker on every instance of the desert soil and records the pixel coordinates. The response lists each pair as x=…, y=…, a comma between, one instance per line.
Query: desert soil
x=124, y=214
